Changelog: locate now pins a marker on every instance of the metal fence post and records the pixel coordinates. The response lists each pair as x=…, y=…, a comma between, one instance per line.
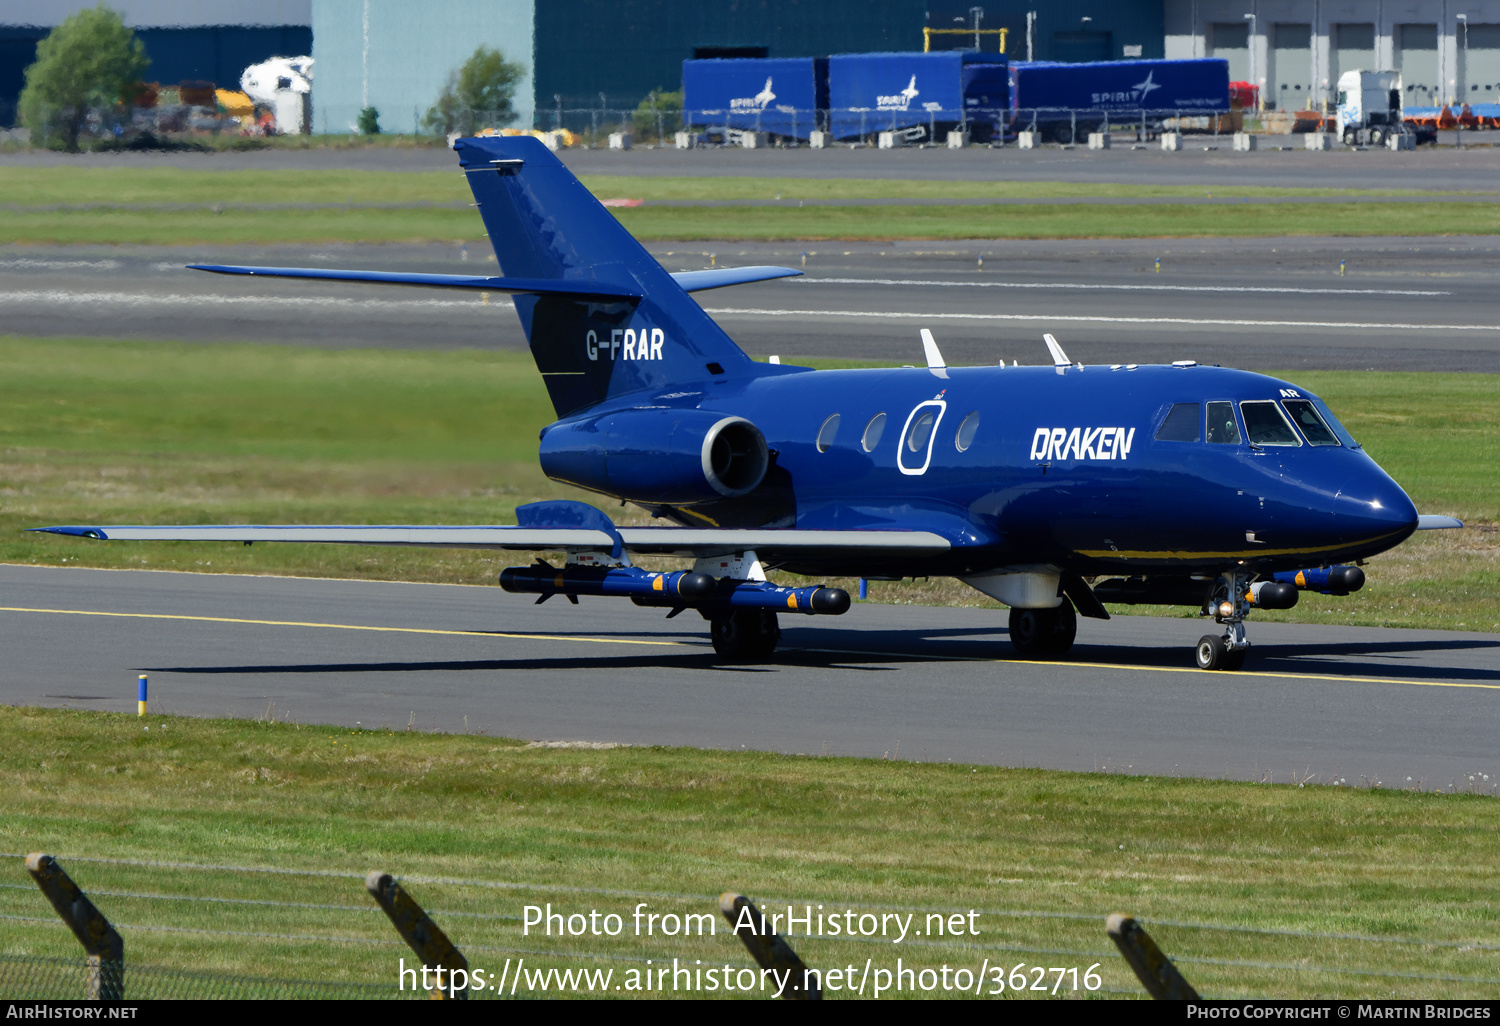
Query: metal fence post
x=105, y=947
x=768, y=949
x=1155, y=971
x=422, y=935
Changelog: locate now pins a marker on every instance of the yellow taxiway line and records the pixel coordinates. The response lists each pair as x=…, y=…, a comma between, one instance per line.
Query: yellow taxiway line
x=343, y=626
x=1237, y=675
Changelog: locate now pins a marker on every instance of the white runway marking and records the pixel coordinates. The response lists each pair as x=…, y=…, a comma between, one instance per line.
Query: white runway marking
x=1145, y=286
x=210, y=301
x=1051, y=318
x=58, y=265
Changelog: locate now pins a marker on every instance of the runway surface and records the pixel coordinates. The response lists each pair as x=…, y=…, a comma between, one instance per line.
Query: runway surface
x=1357, y=704
x=1401, y=304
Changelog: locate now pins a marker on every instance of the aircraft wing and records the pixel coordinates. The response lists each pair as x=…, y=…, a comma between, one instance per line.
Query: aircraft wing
x=691, y=281
x=679, y=541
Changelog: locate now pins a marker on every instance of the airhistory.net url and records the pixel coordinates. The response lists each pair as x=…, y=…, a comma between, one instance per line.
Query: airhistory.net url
x=698, y=978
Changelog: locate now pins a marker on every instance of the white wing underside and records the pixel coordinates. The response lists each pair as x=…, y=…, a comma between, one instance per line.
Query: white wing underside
x=770, y=544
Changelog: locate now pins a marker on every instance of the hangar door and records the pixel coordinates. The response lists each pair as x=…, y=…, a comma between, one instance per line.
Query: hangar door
x=1353, y=49
x=1231, y=41
x=1479, y=64
x=1417, y=60
x=1289, y=82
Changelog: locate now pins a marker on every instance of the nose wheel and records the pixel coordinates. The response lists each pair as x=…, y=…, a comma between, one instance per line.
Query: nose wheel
x=1214, y=653
x=1229, y=607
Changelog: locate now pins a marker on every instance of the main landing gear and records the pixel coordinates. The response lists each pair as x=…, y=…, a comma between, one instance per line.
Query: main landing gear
x=1229, y=606
x=1043, y=632
x=745, y=635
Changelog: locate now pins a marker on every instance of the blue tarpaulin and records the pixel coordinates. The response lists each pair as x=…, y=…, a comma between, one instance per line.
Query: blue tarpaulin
x=779, y=96
x=1121, y=87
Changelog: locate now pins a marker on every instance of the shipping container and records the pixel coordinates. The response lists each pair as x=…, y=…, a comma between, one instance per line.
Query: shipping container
x=781, y=96
x=1061, y=99
x=920, y=95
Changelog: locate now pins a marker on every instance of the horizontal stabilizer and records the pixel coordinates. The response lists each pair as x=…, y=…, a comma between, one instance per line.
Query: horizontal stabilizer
x=479, y=282
x=768, y=544
x=1434, y=522
x=718, y=277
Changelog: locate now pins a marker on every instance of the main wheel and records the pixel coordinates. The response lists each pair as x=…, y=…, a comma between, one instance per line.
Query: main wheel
x=1377, y=137
x=1043, y=632
x=745, y=635
x=1062, y=132
x=1349, y=137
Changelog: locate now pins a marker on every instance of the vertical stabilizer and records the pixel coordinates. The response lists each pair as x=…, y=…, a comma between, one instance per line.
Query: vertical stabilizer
x=544, y=224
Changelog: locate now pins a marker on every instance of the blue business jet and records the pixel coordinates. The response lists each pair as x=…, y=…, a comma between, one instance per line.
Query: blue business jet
x=1185, y=485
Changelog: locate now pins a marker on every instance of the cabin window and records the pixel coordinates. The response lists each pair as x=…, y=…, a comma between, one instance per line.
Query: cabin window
x=827, y=432
x=1306, y=417
x=873, y=431
x=921, y=431
x=1181, y=424
x=965, y=436
x=1267, y=425
x=1221, y=424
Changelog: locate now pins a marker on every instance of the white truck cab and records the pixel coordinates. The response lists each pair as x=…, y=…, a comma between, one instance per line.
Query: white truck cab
x=1369, y=110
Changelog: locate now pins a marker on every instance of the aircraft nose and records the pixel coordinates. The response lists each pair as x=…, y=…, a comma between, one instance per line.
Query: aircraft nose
x=1379, y=502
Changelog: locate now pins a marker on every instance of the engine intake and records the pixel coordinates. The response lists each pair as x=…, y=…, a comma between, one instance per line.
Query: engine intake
x=661, y=456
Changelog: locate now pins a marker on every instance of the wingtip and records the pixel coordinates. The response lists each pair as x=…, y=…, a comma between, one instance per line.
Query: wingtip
x=76, y=532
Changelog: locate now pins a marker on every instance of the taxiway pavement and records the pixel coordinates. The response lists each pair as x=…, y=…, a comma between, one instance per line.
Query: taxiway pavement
x=1359, y=705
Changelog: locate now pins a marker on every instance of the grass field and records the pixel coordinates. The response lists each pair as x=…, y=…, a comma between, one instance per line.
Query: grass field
x=168, y=206
x=128, y=432
x=481, y=826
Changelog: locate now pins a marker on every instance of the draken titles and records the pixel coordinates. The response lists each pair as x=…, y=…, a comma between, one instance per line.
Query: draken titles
x=1082, y=443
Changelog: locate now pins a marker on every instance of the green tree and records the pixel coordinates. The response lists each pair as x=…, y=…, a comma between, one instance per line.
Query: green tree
x=88, y=62
x=667, y=105
x=481, y=90
x=369, y=121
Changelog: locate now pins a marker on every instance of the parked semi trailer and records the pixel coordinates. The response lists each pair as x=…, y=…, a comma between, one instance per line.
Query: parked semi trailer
x=1369, y=110
x=781, y=96
x=918, y=97
x=1066, y=101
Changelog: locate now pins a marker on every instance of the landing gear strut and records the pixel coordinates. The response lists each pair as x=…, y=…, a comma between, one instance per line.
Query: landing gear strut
x=745, y=635
x=1043, y=632
x=1229, y=607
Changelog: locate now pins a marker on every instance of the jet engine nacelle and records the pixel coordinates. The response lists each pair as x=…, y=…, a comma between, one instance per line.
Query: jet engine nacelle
x=666, y=456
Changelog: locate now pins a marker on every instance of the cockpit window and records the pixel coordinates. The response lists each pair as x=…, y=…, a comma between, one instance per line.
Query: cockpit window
x=1306, y=417
x=1339, y=430
x=1267, y=425
x=1221, y=424
x=1181, y=424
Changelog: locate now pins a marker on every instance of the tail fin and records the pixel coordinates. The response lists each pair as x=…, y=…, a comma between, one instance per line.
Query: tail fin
x=543, y=224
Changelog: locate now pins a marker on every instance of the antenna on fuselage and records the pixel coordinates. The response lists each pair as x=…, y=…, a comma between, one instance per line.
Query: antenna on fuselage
x=935, y=361
x=1059, y=358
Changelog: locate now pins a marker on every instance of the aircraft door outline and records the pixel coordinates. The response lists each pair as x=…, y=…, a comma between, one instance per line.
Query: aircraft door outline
x=904, y=447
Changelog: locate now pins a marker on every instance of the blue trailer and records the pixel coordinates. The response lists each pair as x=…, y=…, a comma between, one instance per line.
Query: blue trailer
x=1064, y=100
x=782, y=95
x=917, y=94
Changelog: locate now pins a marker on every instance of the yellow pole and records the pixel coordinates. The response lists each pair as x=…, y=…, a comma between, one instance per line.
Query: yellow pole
x=140, y=704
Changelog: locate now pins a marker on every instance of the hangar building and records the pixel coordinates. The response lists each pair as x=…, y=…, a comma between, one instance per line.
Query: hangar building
x=396, y=56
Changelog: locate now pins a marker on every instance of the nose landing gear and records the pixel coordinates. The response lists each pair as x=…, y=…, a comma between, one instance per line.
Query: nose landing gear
x=1230, y=606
